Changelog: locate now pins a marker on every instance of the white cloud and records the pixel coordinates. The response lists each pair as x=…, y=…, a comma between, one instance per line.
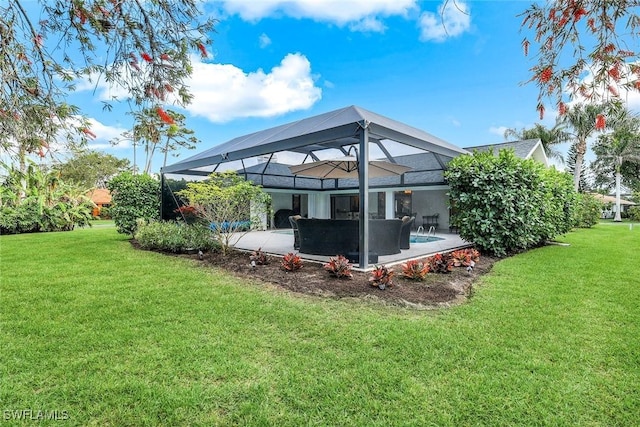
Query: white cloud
x=223, y=92
x=368, y=25
x=498, y=130
x=264, y=40
x=453, y=18
x=104, y=134
x=631, y=98
x=361, y=15
x=105, y=91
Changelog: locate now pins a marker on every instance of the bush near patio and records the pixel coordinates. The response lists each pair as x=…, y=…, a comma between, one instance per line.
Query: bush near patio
x=227, y=202
x=506, y=204
x=133, y=197
x=37, y=200
x=172, y=236
x=634, y=213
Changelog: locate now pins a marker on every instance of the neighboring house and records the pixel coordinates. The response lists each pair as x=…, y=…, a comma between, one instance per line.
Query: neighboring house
x=609, y=202
x=101, y=197
x=264, y=157
x=526, y=149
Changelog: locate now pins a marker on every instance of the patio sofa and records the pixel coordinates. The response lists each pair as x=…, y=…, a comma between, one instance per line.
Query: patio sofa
x=341, y=236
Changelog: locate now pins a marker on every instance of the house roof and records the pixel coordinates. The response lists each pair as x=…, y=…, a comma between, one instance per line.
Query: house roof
x=611, y=199
x=337, y=130
x=525, y=149
x=100, y=196
x=426, y=168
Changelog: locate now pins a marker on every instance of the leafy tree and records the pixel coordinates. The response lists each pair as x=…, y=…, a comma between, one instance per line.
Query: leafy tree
x=160, y=130
x=227, y=201
x=548, y=137
x=133, y=197
x=47, y=46
x=574, y=38
x=91, y=169
x=618, y=147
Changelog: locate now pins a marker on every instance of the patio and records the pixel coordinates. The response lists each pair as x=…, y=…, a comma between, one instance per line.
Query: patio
x=266, y=158
x=280, y=242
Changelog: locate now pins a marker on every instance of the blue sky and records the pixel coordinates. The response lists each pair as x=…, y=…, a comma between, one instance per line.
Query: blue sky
x=276, y=61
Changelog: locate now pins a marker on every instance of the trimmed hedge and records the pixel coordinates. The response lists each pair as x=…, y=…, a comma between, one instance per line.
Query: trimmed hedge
x=133, y=197
x=504, y=203
x=172, y=236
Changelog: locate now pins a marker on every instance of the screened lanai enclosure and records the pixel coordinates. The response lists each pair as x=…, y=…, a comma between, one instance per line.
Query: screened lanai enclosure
x=416, y=187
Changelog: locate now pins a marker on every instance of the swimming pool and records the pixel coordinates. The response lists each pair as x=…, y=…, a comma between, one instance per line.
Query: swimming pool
x=423, y=239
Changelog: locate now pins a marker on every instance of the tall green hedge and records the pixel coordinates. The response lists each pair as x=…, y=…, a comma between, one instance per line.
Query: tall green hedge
x=588, y=211
x=133, y=197
x=504, y=203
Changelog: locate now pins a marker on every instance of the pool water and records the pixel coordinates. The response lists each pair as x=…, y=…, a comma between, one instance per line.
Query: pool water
x=424, y=239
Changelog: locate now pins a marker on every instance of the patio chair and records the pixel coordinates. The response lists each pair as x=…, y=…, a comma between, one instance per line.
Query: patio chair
x=293, y=219
x=405, y=231
x=280, y=219
x=429, y=221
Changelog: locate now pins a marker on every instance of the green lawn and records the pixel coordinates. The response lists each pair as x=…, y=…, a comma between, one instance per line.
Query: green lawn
x=109, y=336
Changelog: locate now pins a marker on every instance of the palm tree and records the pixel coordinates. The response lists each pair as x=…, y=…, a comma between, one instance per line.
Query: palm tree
x=581, y=118
x=548, y=137
x=620, y=146
x=570, y=161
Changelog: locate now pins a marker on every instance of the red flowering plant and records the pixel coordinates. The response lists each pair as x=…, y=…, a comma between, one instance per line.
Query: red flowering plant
x=474, y=254
x=188, y=213
x=415, y=270
x=258, y=257
x=339, y=267
x=381, y=277
x=291, y=262
x=461, y=258
x=440, y=263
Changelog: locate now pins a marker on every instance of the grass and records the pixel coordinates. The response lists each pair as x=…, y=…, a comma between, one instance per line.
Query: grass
x=115, y=336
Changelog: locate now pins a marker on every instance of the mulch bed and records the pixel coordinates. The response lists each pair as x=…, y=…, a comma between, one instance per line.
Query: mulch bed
x=437, y=290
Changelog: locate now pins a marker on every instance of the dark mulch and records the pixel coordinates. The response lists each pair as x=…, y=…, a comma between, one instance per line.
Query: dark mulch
x=437, y=290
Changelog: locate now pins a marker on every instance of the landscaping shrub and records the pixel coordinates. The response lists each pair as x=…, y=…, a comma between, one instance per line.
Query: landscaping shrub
x=381, y=277
x=634, y=213
x=291, y=262
x=258, y=257
x=504, y=203
x=415, y=270
x=339, y=267
x=588, y=211
x=173, y=236
x=440, y=263
x=133, y=197
x=37, y=200
x=227, y=201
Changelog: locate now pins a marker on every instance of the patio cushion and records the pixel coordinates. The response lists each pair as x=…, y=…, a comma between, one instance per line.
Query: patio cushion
x=340, y=237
